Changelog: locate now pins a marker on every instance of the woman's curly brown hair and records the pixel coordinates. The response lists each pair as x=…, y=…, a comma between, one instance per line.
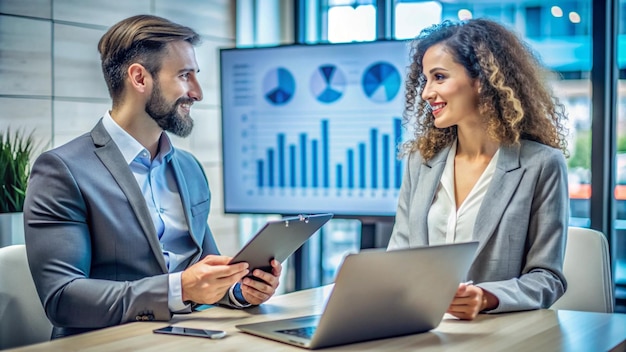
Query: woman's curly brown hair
x=514, y=97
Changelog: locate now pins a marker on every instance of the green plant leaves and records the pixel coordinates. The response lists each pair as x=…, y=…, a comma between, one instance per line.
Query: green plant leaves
x=16, y=149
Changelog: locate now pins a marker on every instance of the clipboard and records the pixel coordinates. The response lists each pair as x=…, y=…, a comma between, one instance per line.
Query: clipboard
x=278, y=239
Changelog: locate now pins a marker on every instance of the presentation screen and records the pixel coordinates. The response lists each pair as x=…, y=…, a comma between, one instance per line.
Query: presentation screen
x=313, y=128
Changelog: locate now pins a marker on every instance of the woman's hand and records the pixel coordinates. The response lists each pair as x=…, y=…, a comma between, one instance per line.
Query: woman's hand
x=470, y=300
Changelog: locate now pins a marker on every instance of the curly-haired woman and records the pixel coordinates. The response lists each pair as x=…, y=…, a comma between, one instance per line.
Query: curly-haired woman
x=487, y=164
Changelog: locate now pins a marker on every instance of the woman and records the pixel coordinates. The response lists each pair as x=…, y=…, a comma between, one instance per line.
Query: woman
x=486, y=164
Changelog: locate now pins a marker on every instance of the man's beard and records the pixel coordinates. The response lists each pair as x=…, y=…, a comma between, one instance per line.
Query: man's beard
x=166, y=115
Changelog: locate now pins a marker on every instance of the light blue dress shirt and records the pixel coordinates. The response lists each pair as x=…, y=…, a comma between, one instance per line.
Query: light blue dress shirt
x=158, y=185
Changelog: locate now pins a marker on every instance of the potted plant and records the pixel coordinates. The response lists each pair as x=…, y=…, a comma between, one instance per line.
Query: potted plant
x=16, y=151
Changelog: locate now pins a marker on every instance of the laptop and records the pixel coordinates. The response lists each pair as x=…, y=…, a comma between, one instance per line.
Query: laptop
x=379, y=294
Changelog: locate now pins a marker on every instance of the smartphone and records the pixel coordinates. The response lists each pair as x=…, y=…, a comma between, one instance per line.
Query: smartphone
x=179, y=330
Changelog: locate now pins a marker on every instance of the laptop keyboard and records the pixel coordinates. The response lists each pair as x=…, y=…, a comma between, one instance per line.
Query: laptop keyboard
x=305, y=332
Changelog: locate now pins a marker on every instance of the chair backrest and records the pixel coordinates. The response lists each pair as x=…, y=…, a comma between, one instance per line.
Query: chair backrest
x=587, y=269
x=22, y=318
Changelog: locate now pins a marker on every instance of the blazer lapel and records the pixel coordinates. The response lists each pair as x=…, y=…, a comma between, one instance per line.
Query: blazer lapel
x=505, y=181
x=111, y=157
x=429, y=179
x=183, y=190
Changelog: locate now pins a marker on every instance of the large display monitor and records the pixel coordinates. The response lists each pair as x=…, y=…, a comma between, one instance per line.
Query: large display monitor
x=313, y=128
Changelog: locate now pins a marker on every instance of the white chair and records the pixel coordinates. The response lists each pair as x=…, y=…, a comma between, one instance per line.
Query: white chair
x=587, y=269
x=22, y=318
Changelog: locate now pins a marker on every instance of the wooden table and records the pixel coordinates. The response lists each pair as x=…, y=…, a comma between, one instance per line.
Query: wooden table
x=541, y=330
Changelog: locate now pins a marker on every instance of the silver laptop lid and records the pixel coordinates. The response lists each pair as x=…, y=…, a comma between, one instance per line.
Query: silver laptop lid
x=380, y=294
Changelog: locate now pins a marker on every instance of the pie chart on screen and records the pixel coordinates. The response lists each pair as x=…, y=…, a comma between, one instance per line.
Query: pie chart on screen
x=279, y=86
x=328, y=83
x=381, y=82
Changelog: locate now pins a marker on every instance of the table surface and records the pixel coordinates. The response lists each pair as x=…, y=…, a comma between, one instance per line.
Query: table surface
x=540, y=330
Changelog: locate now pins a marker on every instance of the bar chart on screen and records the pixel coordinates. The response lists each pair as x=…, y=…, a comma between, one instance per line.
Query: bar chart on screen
x=325, y=159
x=301, y=158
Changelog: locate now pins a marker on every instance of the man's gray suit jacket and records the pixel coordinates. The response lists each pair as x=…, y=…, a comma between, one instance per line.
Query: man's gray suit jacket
x=91, y=244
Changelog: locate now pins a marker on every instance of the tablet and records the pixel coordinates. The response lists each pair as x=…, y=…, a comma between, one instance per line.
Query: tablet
x=278, y=239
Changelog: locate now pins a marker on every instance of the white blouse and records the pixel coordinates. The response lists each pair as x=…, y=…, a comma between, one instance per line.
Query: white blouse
x=446, y=224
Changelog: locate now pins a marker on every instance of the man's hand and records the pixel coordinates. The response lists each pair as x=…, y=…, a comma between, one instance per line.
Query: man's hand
x=207, y=281
x=257, y=292
x=470, y=300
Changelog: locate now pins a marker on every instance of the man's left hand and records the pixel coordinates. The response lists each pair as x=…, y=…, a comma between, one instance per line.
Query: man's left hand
x=257, y=292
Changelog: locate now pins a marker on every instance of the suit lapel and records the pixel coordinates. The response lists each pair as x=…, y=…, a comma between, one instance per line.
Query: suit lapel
x=183, y=190
x=429, y=179
x=505, y=181
x=113, y=160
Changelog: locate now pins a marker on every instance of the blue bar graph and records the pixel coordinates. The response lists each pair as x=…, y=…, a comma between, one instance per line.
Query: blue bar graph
x=303, y=182
x=315, y=166
x=292, y=165
x=270, y=168
x=325, y=154
x=339, y=176
x=304, y=161
x=386, y=152
x=362, y=165
x=350, y=168
x=281, y=159
x=374, y=156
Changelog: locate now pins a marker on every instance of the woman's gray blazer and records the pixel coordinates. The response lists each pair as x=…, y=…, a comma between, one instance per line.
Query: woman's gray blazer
x=521, y=224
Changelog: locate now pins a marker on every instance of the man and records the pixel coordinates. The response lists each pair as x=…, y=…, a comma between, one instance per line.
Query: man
x=116, y=220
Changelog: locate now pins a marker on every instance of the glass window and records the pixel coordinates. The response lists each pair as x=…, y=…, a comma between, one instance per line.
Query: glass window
x=347, y=23
x=412, y=17
x=341, y=238
x=619, y=240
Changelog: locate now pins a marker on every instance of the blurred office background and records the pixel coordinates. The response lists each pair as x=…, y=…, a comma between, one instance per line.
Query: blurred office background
x=51, y=82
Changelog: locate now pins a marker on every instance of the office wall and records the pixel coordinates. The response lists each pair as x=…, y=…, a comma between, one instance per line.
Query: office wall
x=51, y=81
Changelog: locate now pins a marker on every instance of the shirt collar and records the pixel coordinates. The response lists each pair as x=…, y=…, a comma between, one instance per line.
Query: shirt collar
x=130, y=147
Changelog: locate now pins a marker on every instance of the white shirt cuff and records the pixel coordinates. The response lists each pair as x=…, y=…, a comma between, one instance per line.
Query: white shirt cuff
x=175, y=293
x=233, y=300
